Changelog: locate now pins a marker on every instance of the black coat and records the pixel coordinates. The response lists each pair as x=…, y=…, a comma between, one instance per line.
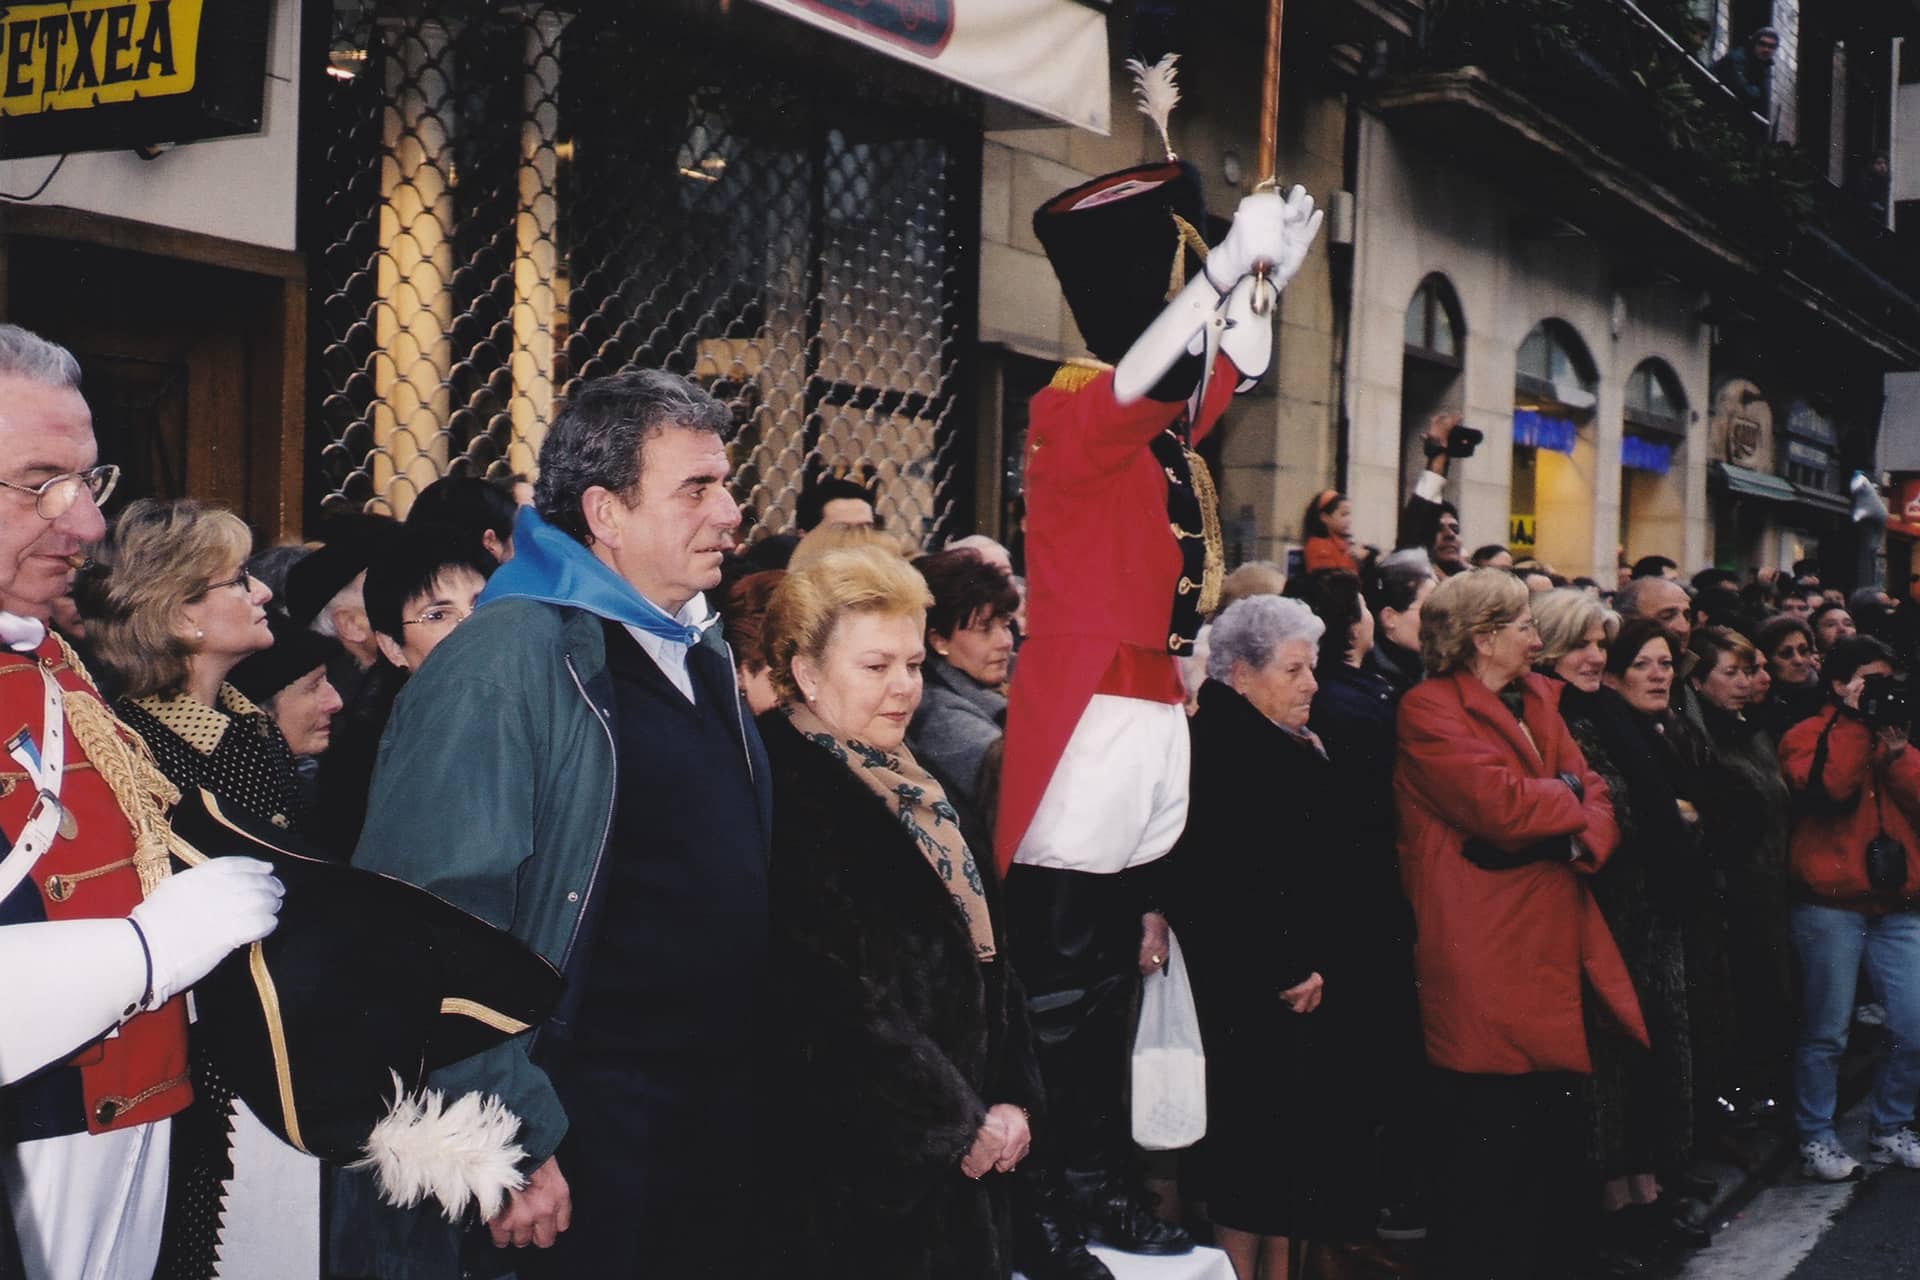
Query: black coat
x=1262, y=898
x=889, y=1041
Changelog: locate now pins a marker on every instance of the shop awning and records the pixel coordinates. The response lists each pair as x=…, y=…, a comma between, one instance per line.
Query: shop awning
x=1049, y=56
x=1749, y=483
x=1825, y=501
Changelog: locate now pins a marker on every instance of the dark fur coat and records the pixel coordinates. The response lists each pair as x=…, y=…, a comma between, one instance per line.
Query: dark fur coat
x=888, y=1041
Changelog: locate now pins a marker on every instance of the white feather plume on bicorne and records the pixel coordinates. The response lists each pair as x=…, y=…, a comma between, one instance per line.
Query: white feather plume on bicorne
x=1157, y=94
x=457, y=1152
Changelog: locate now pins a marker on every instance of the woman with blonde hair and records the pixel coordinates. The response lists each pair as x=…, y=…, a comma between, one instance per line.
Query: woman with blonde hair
x=900, y=1052
x=1501, y=823
x=178, y=612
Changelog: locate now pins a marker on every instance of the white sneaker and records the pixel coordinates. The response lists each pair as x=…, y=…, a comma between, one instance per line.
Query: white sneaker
x=1902, y=1146
x=1828, y=1163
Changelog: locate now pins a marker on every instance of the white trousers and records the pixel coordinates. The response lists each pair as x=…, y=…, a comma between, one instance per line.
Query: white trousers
x=1118, y=797
x=89, y=1206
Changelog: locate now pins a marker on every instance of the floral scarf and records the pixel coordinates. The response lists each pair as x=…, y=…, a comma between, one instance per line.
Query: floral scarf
x=921, y=805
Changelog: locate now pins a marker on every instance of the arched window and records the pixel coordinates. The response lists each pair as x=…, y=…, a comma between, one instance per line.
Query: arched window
x=1553, y=365
x=1434, y=328
x=1654, y=400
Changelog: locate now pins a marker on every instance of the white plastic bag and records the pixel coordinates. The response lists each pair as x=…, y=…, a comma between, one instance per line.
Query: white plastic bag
x=1169, y=1064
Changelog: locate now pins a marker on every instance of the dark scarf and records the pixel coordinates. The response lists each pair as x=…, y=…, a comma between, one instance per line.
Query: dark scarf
x=1648, y=766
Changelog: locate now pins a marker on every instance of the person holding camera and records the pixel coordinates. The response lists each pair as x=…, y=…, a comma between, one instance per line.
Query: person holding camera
x=1854, y=856
x=1429, y=521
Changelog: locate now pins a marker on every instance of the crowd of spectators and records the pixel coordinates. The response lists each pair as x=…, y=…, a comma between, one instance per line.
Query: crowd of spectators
x=1502, y=895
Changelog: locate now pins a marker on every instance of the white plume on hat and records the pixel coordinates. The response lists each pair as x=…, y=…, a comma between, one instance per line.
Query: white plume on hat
x=1157, y=93
x=457, y=1153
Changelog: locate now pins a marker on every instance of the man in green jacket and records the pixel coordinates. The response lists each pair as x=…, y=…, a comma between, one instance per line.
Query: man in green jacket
x=574, y=764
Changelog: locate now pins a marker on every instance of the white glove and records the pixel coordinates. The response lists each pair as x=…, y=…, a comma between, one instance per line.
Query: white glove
x=1267, y=232
x=195, y=917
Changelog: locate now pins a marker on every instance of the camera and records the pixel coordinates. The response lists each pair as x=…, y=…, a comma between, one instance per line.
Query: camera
x=1885, y=702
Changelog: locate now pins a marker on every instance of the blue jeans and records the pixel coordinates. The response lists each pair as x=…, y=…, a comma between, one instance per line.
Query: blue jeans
x=1831, y=943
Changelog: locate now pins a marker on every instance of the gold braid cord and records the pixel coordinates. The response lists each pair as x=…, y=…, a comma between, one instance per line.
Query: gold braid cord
x=1190, y=241
x=1216, y=572
x=142, y=791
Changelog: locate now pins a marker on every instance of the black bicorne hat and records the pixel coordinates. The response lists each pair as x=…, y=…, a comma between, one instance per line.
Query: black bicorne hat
x=328, y=1027
x=1119, y=249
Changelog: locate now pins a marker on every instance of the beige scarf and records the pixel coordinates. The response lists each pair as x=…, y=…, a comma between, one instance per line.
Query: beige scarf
x=921, y=805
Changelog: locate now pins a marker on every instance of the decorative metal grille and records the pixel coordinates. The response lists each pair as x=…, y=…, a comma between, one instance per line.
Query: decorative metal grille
x=521, y=197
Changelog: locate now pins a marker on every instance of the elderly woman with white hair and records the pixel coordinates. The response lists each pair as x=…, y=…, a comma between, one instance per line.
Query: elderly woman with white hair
x=1286, y=1149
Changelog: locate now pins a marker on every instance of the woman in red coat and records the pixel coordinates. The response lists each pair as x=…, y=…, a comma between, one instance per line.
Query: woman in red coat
x=1501, y=821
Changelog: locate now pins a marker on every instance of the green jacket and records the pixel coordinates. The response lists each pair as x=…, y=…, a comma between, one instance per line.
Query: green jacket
x=497, y=751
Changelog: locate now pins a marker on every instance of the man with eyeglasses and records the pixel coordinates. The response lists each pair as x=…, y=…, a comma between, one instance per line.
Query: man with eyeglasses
x=426, y=585
x=97, y=940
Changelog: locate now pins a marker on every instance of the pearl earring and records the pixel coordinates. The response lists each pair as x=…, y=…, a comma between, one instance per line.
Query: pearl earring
x=198, y=634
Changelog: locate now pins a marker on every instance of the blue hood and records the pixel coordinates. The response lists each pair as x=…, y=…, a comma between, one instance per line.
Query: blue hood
x=548, y=565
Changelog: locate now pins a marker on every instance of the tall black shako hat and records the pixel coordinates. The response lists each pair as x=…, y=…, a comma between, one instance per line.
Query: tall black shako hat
x=329, y=1025
x=1123, y=244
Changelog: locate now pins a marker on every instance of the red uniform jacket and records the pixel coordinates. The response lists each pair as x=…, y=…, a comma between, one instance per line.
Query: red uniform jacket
x=1828, y=848
x=139, y=1073
x=1102, y=570
x=1500, y=954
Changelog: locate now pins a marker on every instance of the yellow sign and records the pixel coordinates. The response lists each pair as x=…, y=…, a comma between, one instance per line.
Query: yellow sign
x=84, y=53
x=1520, y=534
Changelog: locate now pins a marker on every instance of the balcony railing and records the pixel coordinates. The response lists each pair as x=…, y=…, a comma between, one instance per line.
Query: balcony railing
x=1617, y=73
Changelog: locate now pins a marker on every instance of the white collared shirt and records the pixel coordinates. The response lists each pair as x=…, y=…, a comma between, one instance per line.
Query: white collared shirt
x=670, y=655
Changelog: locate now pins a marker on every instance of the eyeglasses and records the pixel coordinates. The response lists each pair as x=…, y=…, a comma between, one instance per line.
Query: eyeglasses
x=53, y=498
x=1003, y=622
x=242, y=580
x=1525, y=626
x=439, y=616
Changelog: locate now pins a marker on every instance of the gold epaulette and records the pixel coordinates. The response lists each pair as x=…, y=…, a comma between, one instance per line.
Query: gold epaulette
x=1073, y=376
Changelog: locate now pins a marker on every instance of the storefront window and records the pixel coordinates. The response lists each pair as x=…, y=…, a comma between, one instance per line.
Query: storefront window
x=1551, y=489
x=1652, y=504
x=1435, y=332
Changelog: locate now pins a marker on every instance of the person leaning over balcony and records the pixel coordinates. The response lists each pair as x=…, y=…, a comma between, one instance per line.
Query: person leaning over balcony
x=1854, y=856
x=1748, y=71
x=574, y=765
x=1501, y=823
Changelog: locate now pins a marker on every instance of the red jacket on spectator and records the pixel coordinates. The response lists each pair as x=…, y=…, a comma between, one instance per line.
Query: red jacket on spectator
x=1836, y=813
x=1329, y=552
x=1500, y=955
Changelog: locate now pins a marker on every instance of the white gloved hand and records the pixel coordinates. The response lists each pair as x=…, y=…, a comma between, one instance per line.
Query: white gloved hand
x=1258, y=234
x=1301, y=226
x=1268, y=232
x=195, y=917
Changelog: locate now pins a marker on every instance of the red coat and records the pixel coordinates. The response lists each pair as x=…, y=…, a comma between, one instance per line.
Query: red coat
x=1102, y=568
x=1500, y=955
x=1827, y=850
x=1329, y=552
